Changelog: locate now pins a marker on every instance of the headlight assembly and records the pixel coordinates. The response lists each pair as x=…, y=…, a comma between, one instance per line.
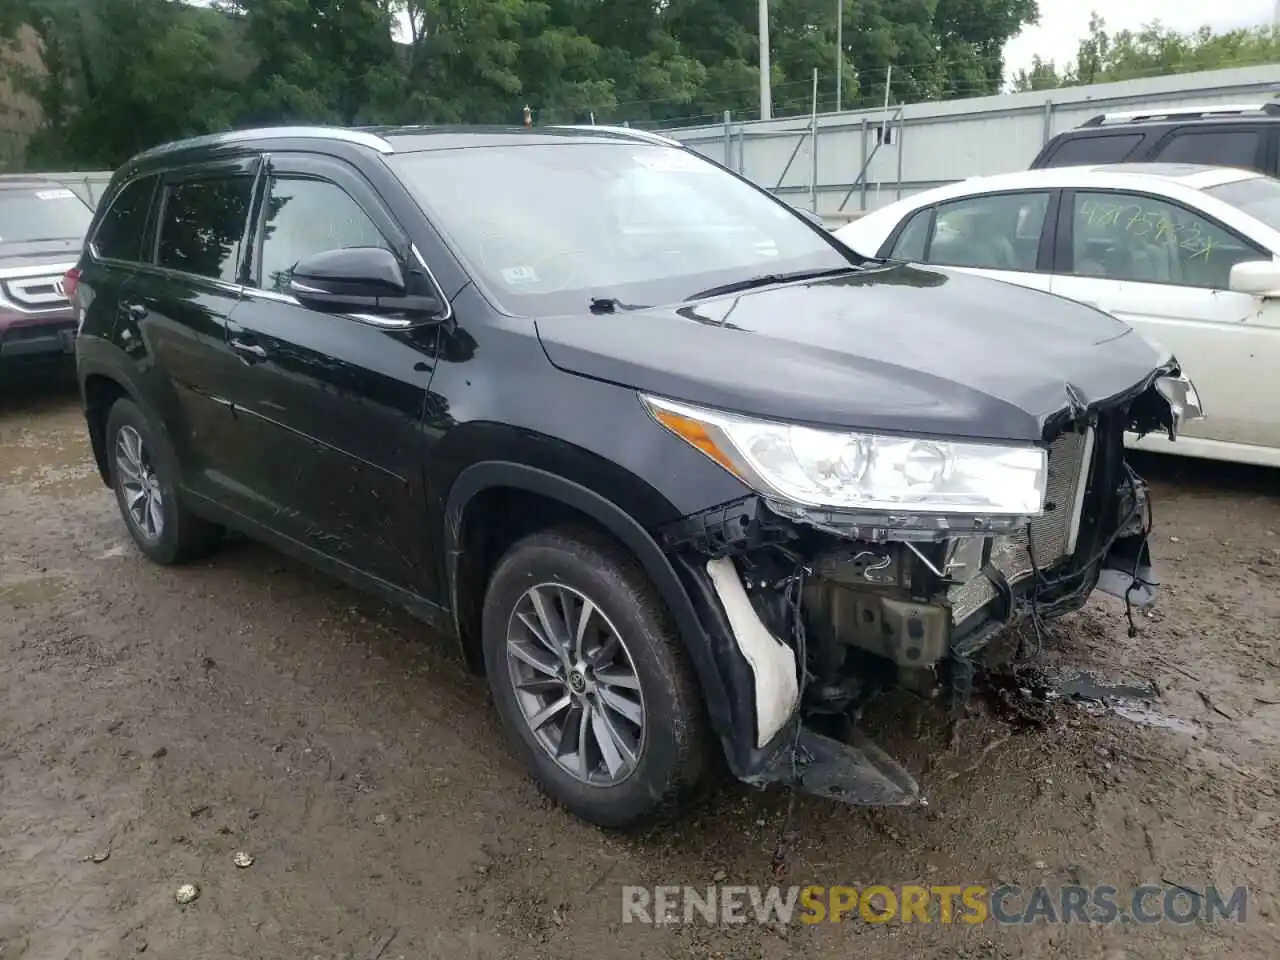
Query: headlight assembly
x=864, y=471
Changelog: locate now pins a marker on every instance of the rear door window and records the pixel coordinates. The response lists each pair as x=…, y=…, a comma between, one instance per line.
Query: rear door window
x=119, y=236
x=202, y=226
x=1121, y=236
x=1104, y=148
x=1224, y=148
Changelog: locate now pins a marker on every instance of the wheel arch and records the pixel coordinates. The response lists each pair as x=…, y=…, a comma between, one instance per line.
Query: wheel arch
x=498, y=476
x=100, y=387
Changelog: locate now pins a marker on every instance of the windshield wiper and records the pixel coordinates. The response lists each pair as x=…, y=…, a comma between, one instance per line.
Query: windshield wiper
x=613, y=305
x=769, y=279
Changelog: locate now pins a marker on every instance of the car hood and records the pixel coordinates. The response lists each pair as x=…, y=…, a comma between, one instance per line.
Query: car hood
x=40, y=253
x=896, y=348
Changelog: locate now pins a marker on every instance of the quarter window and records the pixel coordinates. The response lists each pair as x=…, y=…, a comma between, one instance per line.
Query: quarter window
x=203, y=226
x=1128, y=237
x=997, y=232
x=306, y=217
x=1237, y=148
x=119, y=235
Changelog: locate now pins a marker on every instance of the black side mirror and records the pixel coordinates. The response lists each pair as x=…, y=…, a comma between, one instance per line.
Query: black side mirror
x=362, y=280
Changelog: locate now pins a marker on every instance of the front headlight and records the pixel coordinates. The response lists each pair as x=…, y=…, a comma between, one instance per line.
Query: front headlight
x=827, y=468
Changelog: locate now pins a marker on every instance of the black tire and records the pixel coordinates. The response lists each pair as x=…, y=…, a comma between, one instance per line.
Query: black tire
x=182, y=536
x=674, y=751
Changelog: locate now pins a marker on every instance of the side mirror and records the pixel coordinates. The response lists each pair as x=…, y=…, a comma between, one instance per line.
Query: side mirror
x=364, y=280
x=1259, y=278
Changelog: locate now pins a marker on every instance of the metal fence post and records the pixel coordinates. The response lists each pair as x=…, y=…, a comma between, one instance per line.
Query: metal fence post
x=813, y=148
x=742, y=149
x=728, y=138
x=862, y=199
x=1048, y=121
x=902, y=128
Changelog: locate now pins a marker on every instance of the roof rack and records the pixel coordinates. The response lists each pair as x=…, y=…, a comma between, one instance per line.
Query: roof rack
x=1269, y=108
x=346, y=134
x=647, y=135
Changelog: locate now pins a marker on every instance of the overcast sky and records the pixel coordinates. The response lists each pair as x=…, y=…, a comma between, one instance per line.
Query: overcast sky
x=1064, y=23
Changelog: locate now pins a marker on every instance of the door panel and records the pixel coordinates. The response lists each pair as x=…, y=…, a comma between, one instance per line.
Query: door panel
x=329, y=405
x=1163, y=269
x=179, y=303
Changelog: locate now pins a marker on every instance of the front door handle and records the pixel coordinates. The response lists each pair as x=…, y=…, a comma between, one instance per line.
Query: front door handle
x=248, y=350
x=137, y=311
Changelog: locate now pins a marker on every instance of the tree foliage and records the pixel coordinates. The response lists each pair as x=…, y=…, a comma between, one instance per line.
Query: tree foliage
x=115, y=76
x=1152, y=51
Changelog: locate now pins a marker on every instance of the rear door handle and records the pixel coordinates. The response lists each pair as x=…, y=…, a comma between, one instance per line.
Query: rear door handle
x=137, y=311
x=248, y=350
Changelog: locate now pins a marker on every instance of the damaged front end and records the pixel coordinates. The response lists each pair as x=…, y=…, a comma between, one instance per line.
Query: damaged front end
x=812, y=610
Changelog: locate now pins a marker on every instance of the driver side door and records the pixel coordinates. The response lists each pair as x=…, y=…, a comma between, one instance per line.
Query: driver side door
x=329, y=405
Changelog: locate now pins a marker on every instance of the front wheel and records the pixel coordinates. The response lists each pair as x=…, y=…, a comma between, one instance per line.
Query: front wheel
x=143, y=474
x=591, y=680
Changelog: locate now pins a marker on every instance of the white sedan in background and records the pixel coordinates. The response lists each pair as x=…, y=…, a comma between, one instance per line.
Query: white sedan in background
x=1187, y=255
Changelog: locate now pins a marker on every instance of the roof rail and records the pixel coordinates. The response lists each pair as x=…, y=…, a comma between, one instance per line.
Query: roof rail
x=647, y=135
x=362, y=137
x=1269, y=108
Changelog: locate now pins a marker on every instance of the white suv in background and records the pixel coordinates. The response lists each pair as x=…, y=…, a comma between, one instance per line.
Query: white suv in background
x=1188, y=255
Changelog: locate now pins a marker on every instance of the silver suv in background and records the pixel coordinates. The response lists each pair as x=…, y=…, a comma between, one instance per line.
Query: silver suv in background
x=42, y=227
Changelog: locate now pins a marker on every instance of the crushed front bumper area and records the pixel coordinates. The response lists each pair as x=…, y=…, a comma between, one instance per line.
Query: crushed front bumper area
x=810, y=614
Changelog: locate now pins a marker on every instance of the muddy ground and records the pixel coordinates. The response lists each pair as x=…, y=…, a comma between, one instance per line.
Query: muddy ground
x=154, y=722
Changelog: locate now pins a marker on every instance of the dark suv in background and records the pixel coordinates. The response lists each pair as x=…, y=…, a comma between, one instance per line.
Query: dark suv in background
x=672, y=463
x=42, y=228
x=1245, y=136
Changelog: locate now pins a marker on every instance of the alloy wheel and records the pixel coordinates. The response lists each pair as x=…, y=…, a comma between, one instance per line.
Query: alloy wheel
x=575, y=684
x=139, y=483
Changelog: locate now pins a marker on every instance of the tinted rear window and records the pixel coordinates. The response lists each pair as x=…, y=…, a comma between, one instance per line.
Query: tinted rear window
x=28, y=215
x=1234, y=148
x=119, y=235
x=1104, y=148
x=203, y=226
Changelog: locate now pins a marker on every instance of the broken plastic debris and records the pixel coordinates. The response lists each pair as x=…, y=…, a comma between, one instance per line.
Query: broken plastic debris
x=242, y=859
x=98, y=856
x=187, y=893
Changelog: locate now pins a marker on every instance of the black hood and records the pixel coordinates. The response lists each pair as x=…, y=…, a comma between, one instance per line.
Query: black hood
x=899, y=349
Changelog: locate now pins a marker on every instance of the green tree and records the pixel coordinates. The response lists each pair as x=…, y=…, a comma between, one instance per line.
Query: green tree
x=117, y=76
x=1154, y=50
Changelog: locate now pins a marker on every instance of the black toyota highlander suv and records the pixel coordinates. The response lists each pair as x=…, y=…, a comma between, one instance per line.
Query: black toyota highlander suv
x=675, y=467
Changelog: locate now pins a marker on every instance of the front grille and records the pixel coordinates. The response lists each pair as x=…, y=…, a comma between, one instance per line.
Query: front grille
x=1051, y=534
x=36, y=293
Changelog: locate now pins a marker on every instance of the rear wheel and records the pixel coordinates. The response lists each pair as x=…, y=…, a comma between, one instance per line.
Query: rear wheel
x=144, y=476
x=591, y=680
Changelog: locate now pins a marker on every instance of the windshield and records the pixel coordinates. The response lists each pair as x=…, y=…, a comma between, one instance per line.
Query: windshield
x=1257, y=196
x=42, y=213
x=550, y=227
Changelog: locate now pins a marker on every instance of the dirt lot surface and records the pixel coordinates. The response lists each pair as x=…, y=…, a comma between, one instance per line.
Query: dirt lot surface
x=155, y=722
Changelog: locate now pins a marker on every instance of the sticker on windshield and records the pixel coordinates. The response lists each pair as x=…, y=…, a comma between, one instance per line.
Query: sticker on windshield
x=62, y=194
x=518, y=275
x=669, y=161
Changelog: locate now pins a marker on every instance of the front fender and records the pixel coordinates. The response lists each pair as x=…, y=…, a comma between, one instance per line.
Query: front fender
x=724, y=708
